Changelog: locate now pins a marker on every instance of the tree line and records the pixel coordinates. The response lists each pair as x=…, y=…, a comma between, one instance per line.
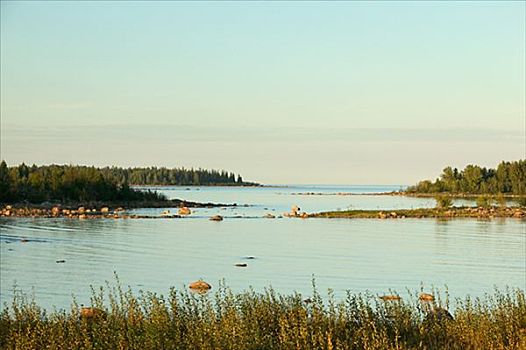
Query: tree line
x=507, y=178
x=36, y=184
x=172, y=177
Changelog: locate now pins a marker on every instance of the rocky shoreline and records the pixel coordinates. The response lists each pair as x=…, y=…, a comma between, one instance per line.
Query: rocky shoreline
x=93, y=210
x=120, y=212
x=453, y=212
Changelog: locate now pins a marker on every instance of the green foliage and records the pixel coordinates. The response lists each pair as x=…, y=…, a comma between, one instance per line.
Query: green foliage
x=172, y=177
x=250, y=320
x=501, y=200
x=483, y=201
x=508, y=178
x=443, y=202
x=64, y=183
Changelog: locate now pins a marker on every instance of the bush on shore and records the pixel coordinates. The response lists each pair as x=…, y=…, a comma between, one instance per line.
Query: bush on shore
x=443, y=202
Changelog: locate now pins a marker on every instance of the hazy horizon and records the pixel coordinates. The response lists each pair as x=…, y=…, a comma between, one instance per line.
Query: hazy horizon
x=279, y=92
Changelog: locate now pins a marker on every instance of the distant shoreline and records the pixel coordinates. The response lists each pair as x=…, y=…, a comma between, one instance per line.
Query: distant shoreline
x=411, y=194
x=207, y=185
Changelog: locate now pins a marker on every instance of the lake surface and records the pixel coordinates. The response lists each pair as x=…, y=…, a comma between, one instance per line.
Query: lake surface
x=469, y=256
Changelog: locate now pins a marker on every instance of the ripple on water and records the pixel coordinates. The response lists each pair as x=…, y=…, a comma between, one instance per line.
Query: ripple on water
x=468, y=256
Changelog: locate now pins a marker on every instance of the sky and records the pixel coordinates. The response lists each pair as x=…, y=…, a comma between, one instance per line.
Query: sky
x=281, y=92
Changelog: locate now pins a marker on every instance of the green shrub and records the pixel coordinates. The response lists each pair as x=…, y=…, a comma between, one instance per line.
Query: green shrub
x=521, y=201
x=501, y=200
x=483, y=201
x=443, y=202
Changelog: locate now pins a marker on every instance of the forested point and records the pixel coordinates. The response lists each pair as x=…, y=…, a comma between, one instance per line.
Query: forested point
x=508, y=178
x=154, y=176
x=37, y=184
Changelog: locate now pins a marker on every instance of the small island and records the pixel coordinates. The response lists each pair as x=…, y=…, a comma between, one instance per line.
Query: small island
x=421, y=213
x=492, y=189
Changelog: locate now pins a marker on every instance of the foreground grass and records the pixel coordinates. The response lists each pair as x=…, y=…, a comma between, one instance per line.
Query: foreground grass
x=250, y=320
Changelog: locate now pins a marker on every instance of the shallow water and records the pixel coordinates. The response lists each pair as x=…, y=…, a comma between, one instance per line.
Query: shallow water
x=469, y=256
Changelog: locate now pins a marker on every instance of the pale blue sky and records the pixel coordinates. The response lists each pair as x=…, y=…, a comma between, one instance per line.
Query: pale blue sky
x=282, y=92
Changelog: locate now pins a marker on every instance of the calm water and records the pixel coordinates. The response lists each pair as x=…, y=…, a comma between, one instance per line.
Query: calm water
x=469, y=256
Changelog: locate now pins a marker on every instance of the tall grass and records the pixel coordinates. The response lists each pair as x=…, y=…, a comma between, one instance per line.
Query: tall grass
x=268, y=320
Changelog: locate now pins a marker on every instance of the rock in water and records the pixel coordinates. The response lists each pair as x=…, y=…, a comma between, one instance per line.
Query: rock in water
x=184, y=211
x=200, y=286
x=426, y=297
x=216, y=218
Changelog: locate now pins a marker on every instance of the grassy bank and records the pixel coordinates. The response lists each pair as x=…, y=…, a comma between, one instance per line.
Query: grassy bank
x=452, y=212
x=268, y=320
